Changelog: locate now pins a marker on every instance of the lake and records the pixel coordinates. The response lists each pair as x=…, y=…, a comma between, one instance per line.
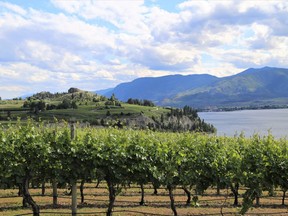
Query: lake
x=249, y=122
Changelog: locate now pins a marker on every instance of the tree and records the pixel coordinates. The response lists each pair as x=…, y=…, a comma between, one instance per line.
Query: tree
x=74, y=105
x=234, y=173
x=139, y=158
x=113, y=163
x=276, y=156
x=254, y=168
x=28, y=157
x=9, y=114
x=66, y=104
x=41, y=105
x=113, y=97
x=148, y=103
x=167, y=159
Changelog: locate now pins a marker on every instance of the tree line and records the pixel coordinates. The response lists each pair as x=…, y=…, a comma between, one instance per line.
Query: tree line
x=139, y=102
x=41, y=106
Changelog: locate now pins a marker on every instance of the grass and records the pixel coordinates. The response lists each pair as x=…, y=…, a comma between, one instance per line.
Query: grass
x=127, y=203
x=11, y=104
x=85, y=112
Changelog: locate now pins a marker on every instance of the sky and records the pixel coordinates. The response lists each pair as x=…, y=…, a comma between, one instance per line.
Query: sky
x=52, y=45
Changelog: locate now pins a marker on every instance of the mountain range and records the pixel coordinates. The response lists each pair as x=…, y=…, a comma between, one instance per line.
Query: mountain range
x=267, y=86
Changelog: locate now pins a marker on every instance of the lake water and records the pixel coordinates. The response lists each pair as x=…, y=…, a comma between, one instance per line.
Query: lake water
x=249, y=122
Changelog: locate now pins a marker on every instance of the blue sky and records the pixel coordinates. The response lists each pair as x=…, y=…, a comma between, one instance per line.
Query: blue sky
x=52, y=45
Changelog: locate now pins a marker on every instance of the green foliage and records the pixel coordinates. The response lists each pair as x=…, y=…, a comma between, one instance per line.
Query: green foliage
x=90, y=108
x=124, y=156
x=140, y=102
x=191, y=119
x=35, y=106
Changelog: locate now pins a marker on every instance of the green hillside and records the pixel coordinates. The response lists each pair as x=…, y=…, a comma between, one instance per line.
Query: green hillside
x=253, y=87
x=92, y=109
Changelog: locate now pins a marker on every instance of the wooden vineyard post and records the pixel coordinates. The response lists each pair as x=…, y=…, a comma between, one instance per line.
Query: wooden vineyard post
x=54, y=185
x=55, y=194
x=73, y=131
x=74, y=197
x=74, y=182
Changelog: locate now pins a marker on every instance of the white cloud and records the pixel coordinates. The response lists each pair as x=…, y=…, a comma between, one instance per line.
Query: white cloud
x=12, y=7
x=166, y=57
x=96, y=44
x=12, y=88
x=23, y=72
x=125, y=14
x=9, y=91
x=161, y=22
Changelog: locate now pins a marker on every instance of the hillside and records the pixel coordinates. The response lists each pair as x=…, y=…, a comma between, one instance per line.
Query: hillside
x=92, y=109
x=251, y=88
x=159, y=88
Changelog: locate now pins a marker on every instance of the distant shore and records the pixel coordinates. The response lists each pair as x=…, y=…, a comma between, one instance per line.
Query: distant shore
x=228, y=109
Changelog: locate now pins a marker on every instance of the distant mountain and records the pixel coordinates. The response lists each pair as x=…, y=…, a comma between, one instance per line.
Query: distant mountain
x=159, y=88
x=26, y=95
x=252, y=87
x=107, y=92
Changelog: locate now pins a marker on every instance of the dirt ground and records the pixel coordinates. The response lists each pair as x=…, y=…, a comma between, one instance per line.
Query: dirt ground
x=127, y=203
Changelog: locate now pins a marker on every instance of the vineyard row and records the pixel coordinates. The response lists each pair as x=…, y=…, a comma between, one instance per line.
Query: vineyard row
x=58, y=154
